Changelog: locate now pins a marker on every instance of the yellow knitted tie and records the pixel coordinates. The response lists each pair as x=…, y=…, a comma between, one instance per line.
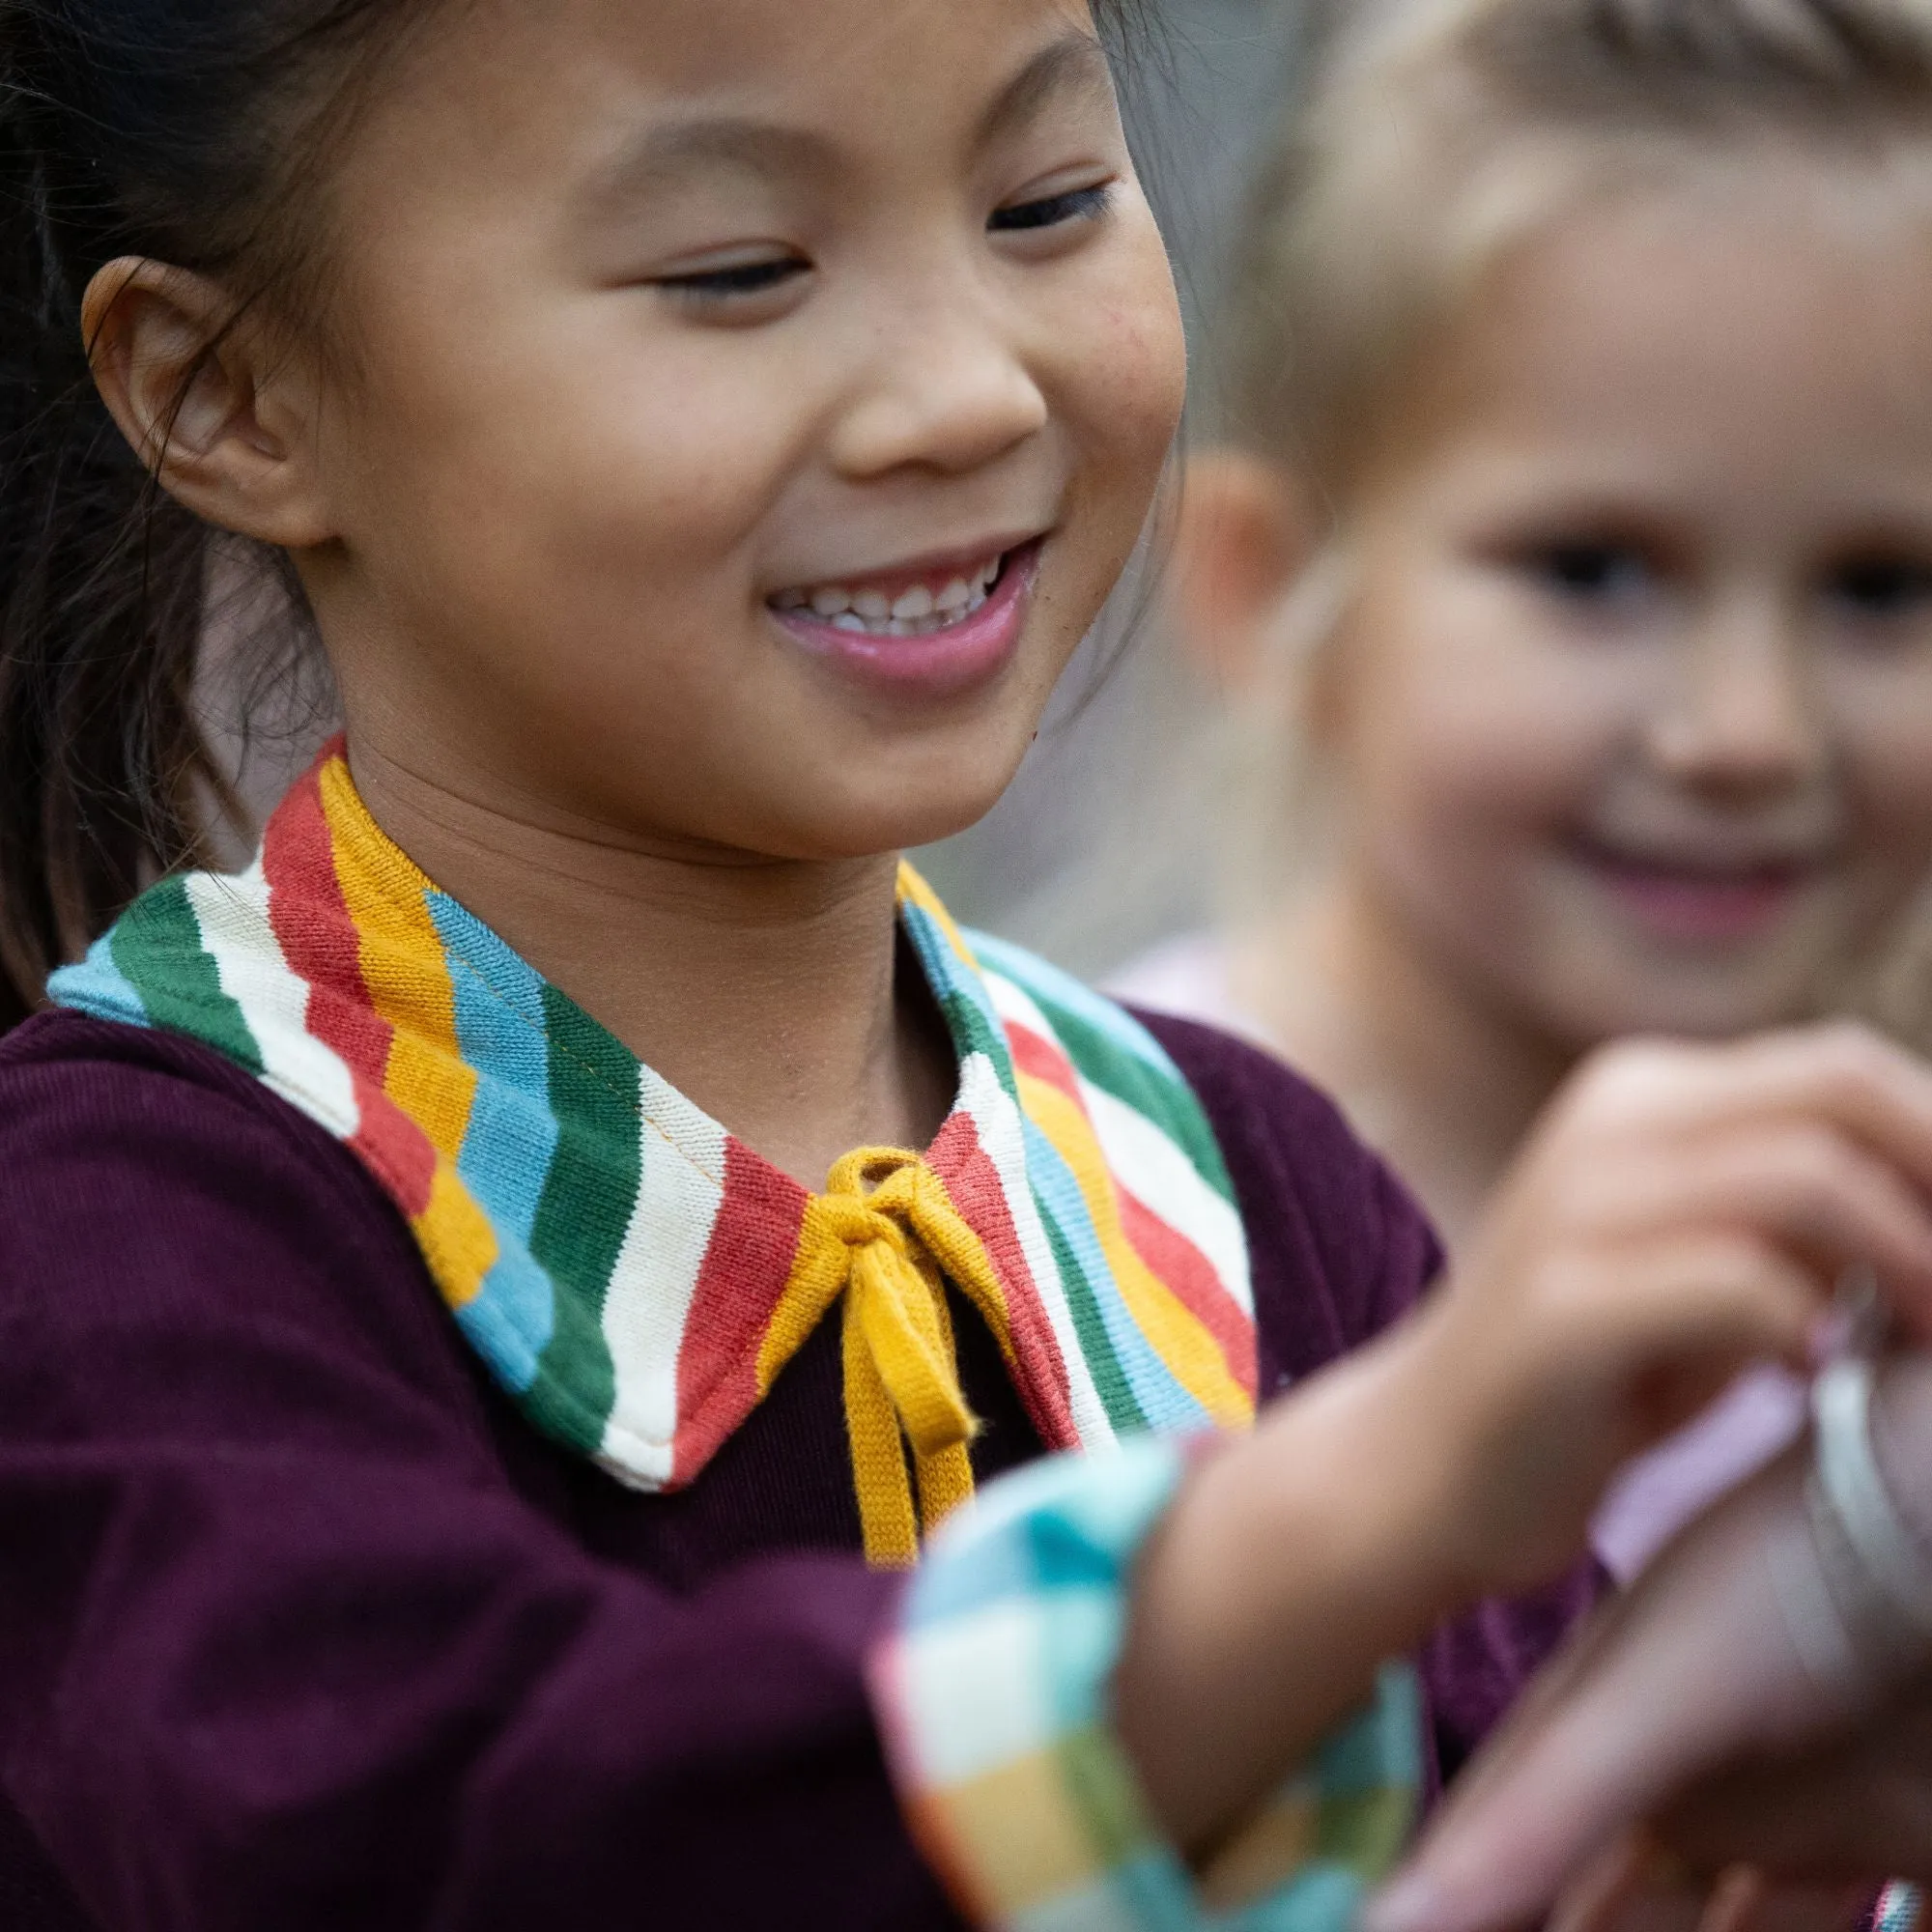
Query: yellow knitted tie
x=886, y=1234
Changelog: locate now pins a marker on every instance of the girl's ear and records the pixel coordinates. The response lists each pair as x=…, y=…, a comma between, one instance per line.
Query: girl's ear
x=221, y=418
x=1244, y=536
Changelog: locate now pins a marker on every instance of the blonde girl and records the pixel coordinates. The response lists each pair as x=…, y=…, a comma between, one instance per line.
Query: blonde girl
x=1573, y=571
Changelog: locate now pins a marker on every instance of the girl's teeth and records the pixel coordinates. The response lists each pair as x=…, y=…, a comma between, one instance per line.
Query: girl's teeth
x=915, y=613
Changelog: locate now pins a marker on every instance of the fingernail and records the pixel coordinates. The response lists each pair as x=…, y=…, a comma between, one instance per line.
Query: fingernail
x=1410, y=1902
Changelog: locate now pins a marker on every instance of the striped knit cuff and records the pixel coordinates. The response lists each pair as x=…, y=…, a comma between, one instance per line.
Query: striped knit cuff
x=993, y=1691
x=1901, y=1908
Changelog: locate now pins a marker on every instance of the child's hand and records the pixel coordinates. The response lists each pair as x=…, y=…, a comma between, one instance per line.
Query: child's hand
x=1848, y=1809
x=1639, y=1888
x=1698, y=1668
x=1682, y=1212
x=1695, y=1660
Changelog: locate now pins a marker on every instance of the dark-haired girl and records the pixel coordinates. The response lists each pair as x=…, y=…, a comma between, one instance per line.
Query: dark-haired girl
x=478, y=1350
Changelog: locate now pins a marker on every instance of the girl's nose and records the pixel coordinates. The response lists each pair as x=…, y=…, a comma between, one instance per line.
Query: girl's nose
x=949, y=394
x=1745, y=717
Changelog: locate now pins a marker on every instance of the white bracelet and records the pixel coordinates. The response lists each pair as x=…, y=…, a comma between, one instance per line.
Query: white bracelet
x=1825, y=1646
x=1860, y=1610
x=1896, y=1563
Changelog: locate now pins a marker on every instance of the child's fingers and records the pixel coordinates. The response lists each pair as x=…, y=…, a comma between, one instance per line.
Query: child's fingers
x=1821, y=1194
x=1869, y=1087
x=1861, y=1808
x=1666, y=1099
x=1552, y=1797
x=1637, y=1889
x=1562, y=1796
x=1734, y=1297
x=1606, y=1347
x=1624, y=1891
x=1550, y=1813
x=1740, y=1903
x=1744, y=1901
x=1809, y=1909
x=1692, y=1668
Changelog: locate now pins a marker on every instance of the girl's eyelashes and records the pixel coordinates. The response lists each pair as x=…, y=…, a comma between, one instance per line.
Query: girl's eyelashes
x=1052, y=210
x=740, y=281
x=1589, y=571
x=1881, y=588
x=1609, y=576
x=748, y=284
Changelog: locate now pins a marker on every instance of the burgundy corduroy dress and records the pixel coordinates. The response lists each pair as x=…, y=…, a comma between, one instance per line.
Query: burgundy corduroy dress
x=303, y=1626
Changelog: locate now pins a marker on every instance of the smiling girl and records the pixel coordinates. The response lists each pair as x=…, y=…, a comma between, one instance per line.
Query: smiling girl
x=1579, y=548
x=479, y=1345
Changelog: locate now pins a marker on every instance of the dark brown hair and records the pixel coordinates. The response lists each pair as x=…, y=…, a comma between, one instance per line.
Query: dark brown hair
x=190, y=131
x=155, y=128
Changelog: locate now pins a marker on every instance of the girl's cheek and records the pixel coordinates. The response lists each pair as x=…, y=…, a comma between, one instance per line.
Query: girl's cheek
x=1476, y=730
x=1120, y=398
x=1154, y=361
x=1888, y=750
x=1137, y=375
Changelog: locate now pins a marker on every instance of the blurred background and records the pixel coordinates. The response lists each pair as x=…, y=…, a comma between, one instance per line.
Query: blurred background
x=1104, y=845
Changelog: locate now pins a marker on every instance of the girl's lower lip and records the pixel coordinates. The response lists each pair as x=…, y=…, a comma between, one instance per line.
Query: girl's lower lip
x=942, y=664
x=1686, y=907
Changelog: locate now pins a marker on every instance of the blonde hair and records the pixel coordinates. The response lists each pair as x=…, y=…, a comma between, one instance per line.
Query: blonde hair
x=1440, y=134
x=1435, y=138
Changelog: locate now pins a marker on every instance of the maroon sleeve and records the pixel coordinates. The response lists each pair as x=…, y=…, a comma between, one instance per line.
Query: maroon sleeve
x=279, y=1643
x=1339, y=1251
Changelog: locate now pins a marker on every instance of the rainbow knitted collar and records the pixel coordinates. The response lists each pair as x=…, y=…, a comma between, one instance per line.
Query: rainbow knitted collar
x=629, y=1272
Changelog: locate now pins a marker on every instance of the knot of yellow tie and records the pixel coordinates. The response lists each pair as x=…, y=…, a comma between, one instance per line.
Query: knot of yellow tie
x=886, y=1234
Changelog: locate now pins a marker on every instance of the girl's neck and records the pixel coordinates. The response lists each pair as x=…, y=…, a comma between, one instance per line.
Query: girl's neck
x=1443, y=1081
x=774, y=995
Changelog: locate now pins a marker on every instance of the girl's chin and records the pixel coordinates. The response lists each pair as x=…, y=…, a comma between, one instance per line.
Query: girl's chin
x=1592, y=977
x=887, y=813
x=1608, y=999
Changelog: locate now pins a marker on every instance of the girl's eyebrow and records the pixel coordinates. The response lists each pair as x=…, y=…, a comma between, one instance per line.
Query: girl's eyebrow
x=667, y=154
x=1075, y=64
